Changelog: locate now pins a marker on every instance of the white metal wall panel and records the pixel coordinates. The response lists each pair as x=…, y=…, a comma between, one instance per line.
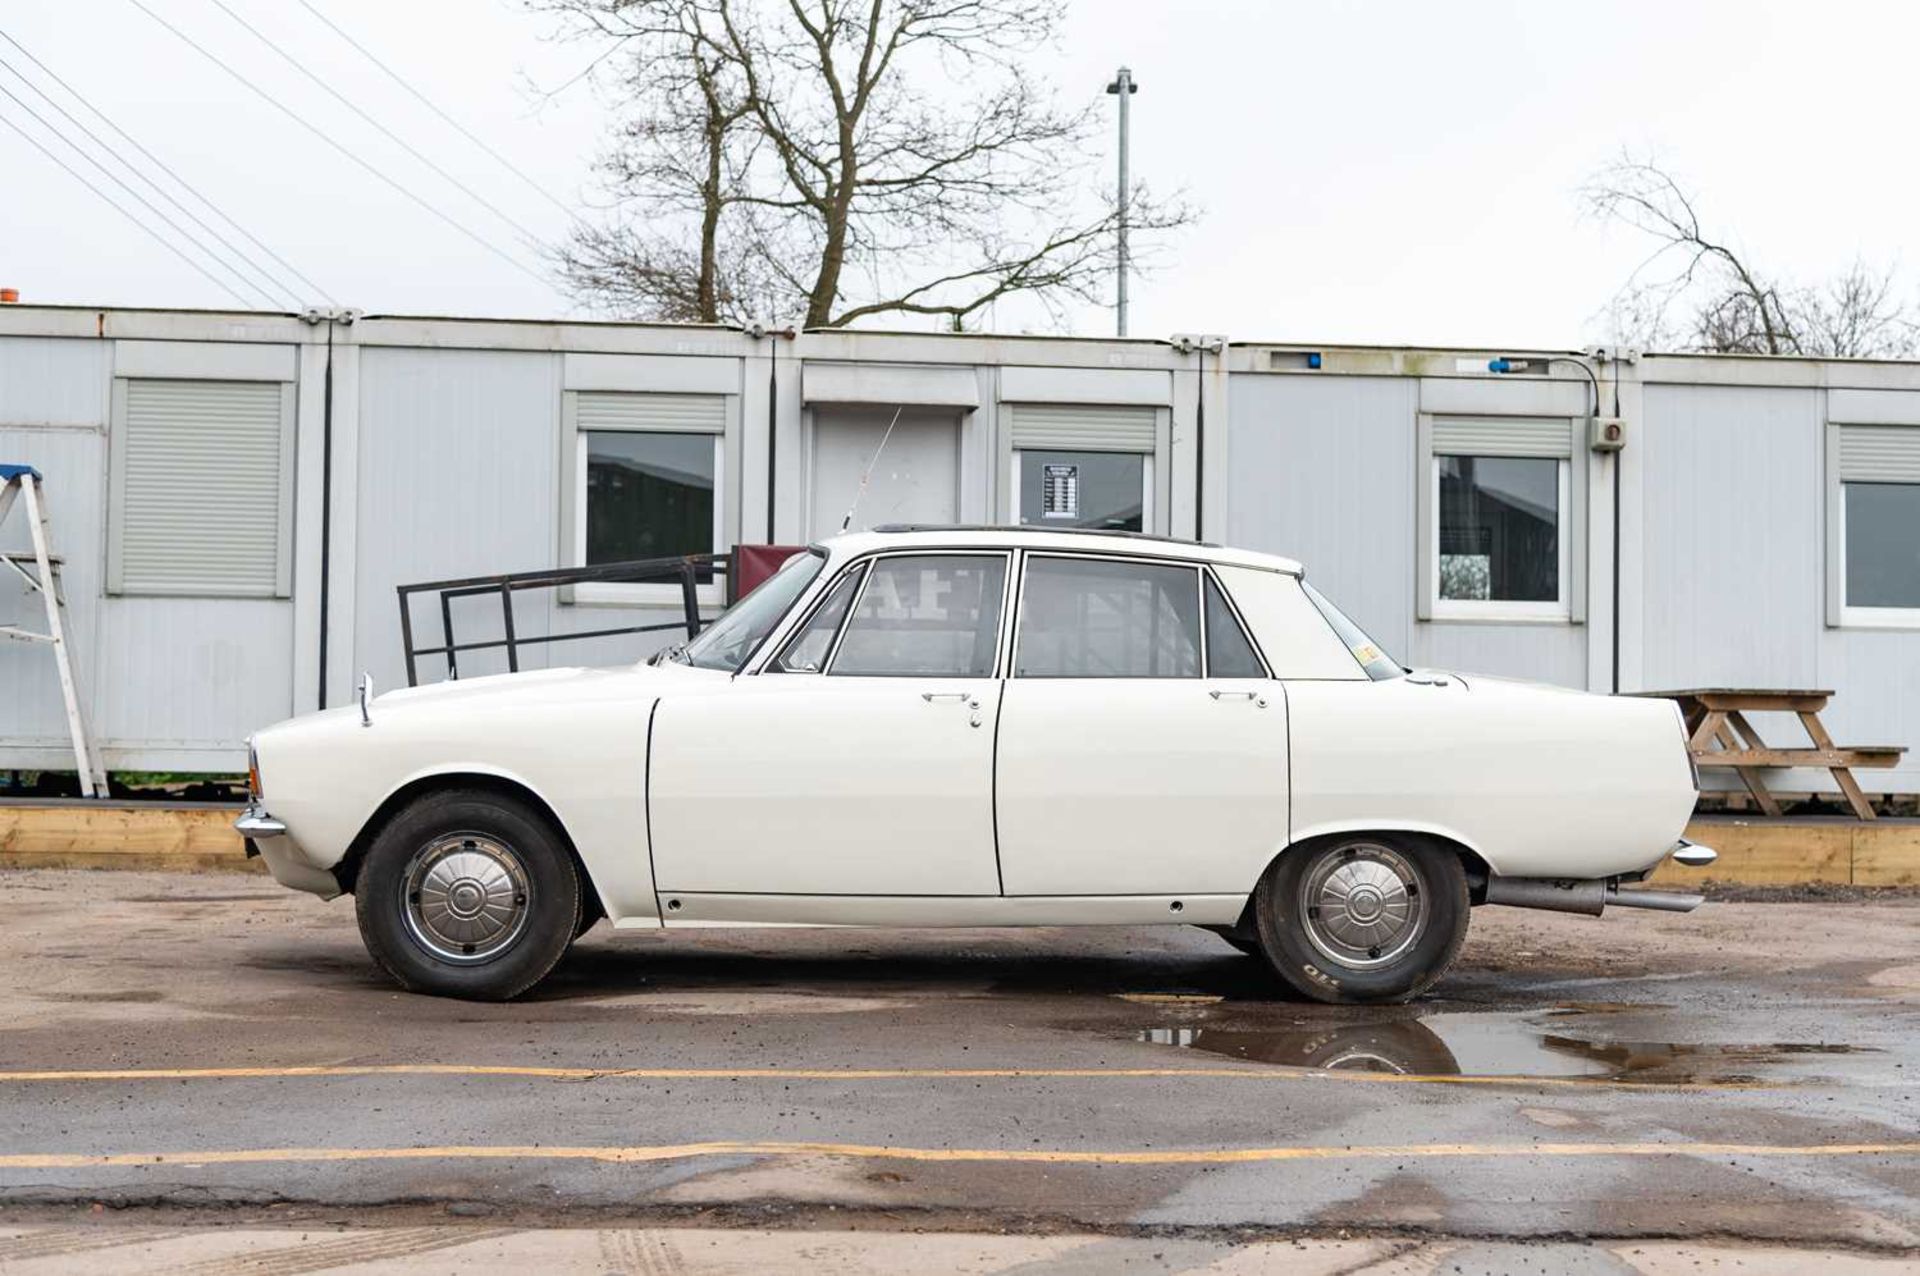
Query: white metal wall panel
x=1084, y=428
x=200, y=488
x=685, y=413
x=1732, y=529
x=1322, y=471
x=53, y=381
x=1496, y=436
x=1880, y=454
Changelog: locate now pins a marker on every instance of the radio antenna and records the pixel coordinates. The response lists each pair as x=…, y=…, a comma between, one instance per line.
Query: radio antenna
x=866, y=474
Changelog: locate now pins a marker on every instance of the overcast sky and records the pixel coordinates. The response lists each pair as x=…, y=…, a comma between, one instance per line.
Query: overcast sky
x=1401, y=172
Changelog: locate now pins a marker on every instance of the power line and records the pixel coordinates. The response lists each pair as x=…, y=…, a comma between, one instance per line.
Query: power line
x=164, y=167
x=428, y=102
x=320, y=133
x=143, y=201
x=260, y=272
x=163, y=241
x=386, y=132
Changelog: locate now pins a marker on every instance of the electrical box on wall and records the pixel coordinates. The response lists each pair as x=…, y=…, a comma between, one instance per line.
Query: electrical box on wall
x=1606, y=433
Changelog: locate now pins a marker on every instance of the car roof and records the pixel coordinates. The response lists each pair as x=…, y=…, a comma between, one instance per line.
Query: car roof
x=893, y=536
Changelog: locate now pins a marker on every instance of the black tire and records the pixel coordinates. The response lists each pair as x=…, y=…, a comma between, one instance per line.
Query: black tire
x=523, y=872
x=1301, y=939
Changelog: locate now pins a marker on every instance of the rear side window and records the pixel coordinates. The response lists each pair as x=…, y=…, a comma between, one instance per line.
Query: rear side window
x=1094, y=618
x=926, y=616
x=1229, y=654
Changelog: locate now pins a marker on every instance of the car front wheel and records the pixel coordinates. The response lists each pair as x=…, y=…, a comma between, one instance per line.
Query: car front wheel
x=468, y=894
x=1363, y=918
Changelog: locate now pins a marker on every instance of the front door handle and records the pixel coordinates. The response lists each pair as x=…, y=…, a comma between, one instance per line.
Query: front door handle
x=931, y=696
x=1259, y=700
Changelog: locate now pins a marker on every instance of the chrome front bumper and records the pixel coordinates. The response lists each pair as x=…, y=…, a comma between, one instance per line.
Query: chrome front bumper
x=255, y=822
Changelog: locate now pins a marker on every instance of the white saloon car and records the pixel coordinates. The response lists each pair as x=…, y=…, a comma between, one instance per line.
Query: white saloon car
x=981, y=727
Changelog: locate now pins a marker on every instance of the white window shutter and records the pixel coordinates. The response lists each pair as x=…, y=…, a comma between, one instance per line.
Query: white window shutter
x=1084, y=429
x=675, y=413
x=201, y=488
x=1514, y=436
x=1879, y=454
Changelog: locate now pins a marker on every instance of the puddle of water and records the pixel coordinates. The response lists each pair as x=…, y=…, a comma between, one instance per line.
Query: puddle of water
x=1483, y=1045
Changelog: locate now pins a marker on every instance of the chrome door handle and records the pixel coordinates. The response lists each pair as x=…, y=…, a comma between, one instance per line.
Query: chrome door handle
x=931, y=696
x=1259, y=700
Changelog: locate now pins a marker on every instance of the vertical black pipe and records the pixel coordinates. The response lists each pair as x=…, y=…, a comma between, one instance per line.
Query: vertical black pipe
x=1199, y=447
x=326, y=507
x=773, y=426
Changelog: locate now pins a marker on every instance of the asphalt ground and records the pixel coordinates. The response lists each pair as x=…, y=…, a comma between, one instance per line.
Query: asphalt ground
x=182, y=1053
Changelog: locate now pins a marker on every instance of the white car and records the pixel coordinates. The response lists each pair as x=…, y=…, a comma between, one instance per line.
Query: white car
x=981, y=727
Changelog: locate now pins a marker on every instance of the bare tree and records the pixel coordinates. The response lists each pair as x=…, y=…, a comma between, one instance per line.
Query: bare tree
x=842, y=160
x=1728, y=304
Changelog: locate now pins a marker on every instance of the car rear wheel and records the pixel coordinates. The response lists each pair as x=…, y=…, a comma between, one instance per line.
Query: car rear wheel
x=1363, y=918
x=468, y=894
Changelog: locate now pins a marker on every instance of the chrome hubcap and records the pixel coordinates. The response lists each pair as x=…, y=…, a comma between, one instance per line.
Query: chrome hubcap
x=465, y=898
x=1363, y=905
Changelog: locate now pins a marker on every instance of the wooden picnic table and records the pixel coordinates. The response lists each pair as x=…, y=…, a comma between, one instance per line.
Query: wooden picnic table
x=1719, y=734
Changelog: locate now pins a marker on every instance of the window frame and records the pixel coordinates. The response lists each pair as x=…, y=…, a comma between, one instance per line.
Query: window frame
x=1148, y=511
x=1570, y=608
x=1842, y=614
x=115, y=584
x=1155, y=511
x=1198, y=567
x=867, y=564
x=1561, y=608
x=712, y=593
x=1862, y=615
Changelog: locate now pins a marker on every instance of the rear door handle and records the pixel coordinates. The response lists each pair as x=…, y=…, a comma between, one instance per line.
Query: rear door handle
x=1259, y=700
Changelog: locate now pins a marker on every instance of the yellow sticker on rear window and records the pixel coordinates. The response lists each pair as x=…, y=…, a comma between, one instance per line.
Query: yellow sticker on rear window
x=1366, y=653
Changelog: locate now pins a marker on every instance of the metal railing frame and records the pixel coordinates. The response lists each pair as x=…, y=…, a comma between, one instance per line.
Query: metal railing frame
x=682, y=568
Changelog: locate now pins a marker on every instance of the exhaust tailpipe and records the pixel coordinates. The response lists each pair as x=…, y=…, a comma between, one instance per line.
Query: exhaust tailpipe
x=1587, y=896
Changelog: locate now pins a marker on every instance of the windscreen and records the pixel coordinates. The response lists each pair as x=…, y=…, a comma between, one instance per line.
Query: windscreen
x=728, y=641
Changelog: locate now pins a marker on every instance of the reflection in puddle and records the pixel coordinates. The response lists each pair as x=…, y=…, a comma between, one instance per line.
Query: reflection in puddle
x=1481, y=1045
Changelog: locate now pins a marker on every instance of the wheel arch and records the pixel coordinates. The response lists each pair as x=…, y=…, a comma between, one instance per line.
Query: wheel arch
x=1475, y=864
x=470, y=779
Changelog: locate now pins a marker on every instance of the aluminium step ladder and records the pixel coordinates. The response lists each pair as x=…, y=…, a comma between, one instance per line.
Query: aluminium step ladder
x=41, y=573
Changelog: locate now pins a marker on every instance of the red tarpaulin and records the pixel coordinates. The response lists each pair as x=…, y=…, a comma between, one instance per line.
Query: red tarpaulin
x=753, y=564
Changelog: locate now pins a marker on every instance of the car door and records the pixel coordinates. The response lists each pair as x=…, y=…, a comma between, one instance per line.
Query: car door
x=1143, y=747
x=860, y=761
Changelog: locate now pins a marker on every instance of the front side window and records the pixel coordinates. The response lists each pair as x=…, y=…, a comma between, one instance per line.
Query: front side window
x=1882, y=531
x=1107, y=491
x=925, y=616
x=808, y=651
x=1500, y=540
x=1099, y=618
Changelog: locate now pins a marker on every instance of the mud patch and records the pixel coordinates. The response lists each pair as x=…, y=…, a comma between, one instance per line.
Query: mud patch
x=135, y=996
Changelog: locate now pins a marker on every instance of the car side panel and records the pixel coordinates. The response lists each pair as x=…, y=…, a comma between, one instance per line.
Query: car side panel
x=581, y=751
x=1539, y=781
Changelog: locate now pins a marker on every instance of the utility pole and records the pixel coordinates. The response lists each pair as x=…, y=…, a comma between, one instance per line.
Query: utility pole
x=1123, y=87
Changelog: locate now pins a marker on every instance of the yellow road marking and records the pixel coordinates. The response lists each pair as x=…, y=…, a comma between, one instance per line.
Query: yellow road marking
x=1044, y=1156
x=1276, y=1073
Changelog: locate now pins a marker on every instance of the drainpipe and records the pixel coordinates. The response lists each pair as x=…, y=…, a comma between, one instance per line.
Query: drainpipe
x=330, y=318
